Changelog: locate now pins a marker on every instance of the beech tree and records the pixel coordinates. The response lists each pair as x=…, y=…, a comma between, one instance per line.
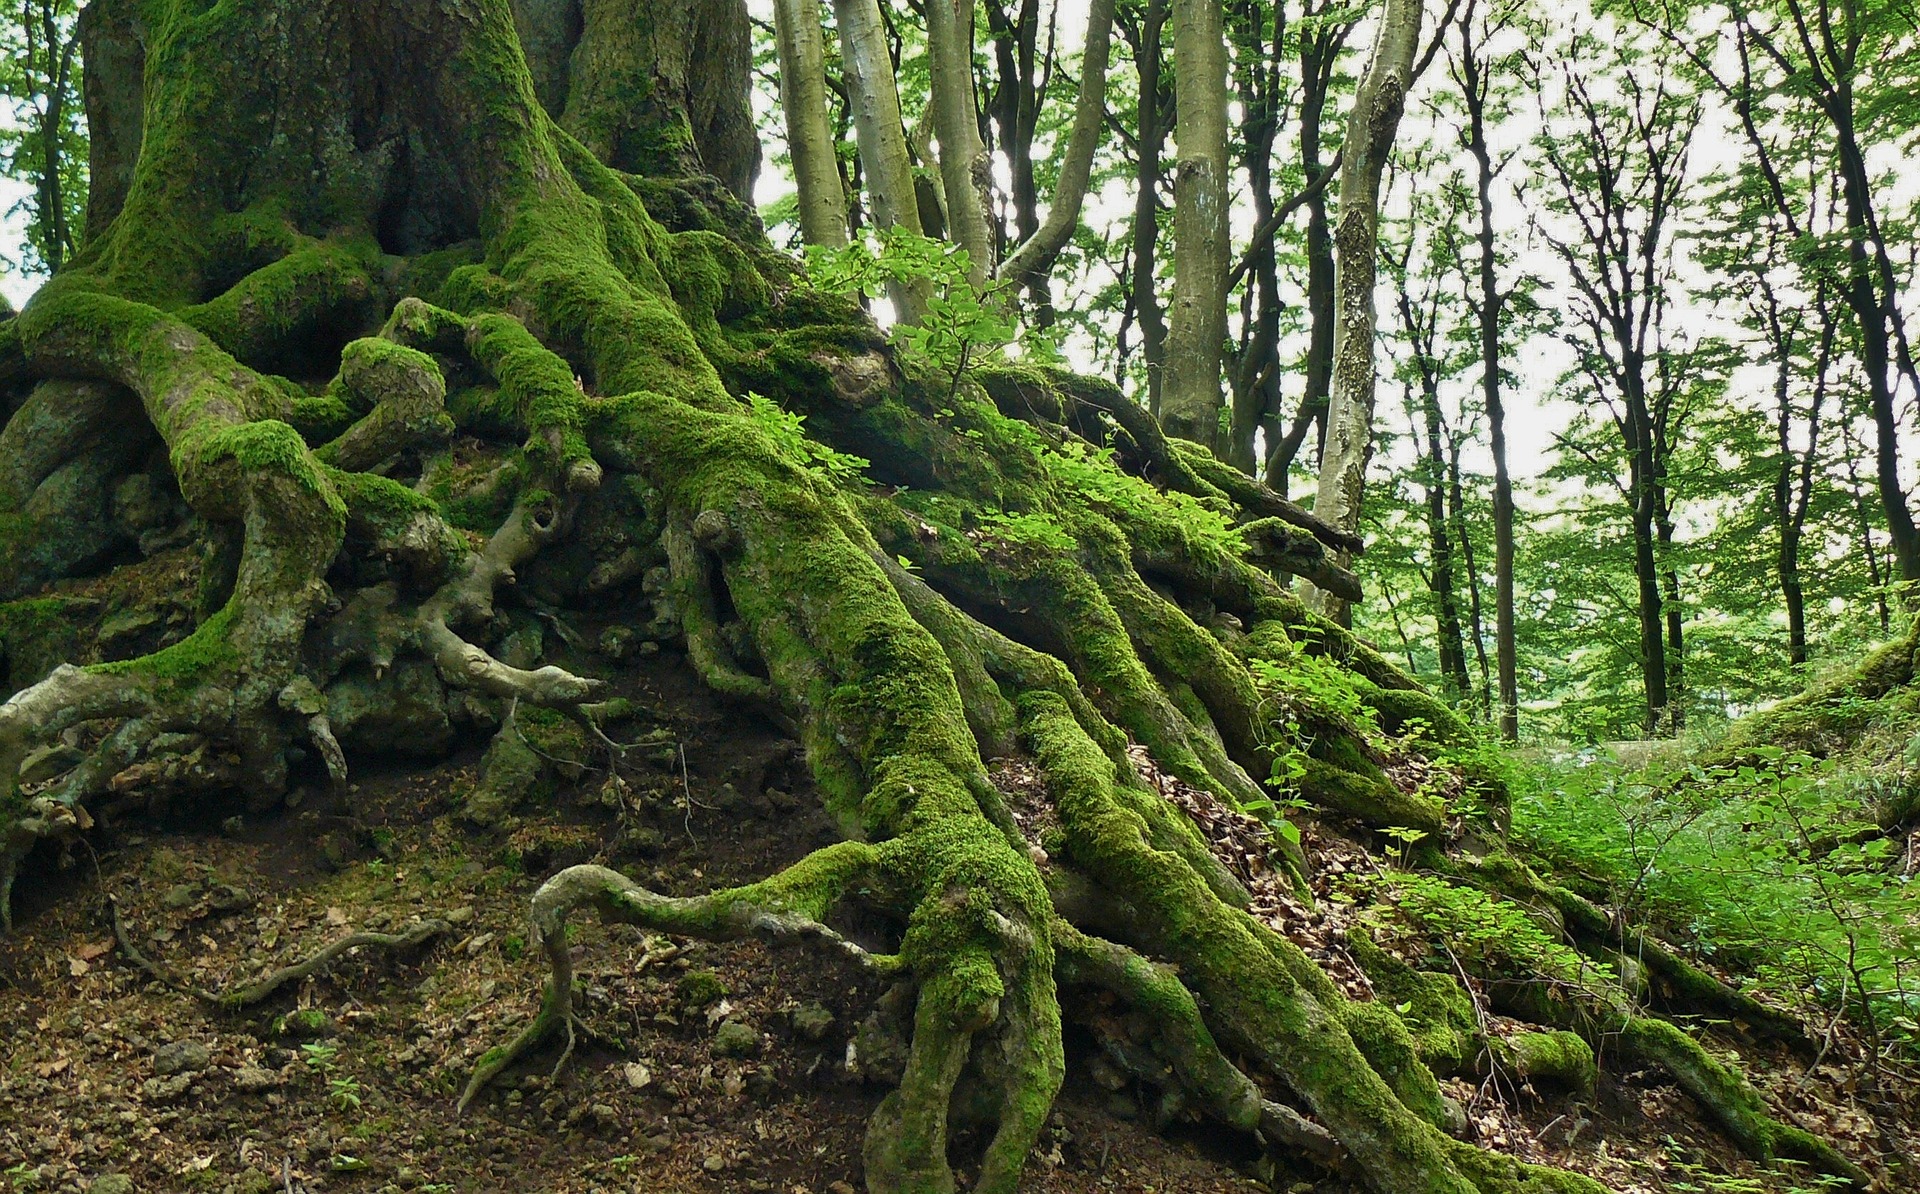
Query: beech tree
x=422, y=311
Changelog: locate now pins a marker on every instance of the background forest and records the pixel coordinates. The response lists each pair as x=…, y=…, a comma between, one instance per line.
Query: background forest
x=1618, y=251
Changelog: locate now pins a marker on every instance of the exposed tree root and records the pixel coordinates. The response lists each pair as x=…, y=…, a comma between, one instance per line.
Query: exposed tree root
x=263, y=988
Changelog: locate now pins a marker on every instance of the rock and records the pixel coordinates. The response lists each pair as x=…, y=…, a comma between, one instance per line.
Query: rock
x=698, y=988
x=714, y=1163
x=841, y=1188
x=508, y=774
x=111, y=1183
x=524, y=648
x=401, y=713
x=140, y=504
x=252, y=1079
x=617, y=642
x=305, y=1024
x=460, y=916
x=811, y=1021
x=179, y=896
x=122, y=627
x=165, y=1090
x=735, y=1040
x=181, y=1057
x=638, y=1076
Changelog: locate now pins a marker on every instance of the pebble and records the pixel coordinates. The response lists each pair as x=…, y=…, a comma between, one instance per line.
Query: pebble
x=252, y=1079
x=111, y=1183
x=735, y=1040
x=181, y=1057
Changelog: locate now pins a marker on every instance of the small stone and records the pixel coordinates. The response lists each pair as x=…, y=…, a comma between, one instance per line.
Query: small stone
x=638, y=1076
x=181, y=1057
x=714, y=1163
x=735, y=1040
x=811, y=1021
x=252, y=1079
x=841, y=1188
x=232, y=826
x=179, y=896
x=604, y=1115
x=460, y=916
x=111, y=1183
x=165, y=1090
x=305, y=1024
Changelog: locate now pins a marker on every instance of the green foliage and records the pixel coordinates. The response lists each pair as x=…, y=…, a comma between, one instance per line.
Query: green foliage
x=44, y=146
x=1491, y=935
x=787, y=431
x=962, y=324
x=1775, y=866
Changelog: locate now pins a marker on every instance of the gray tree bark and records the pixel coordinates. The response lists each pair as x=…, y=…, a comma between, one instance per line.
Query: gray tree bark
x=1371, y=126
x=1191, y=399
x=810, y=142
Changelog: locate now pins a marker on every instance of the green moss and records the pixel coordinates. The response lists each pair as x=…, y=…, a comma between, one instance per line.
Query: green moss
x=699, y=988
x=1436, y=1009
x=1558, y=1056
x=208, y=651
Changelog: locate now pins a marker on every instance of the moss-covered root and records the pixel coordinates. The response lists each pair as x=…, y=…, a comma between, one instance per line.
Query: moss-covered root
x=1265, y=998
x=789, y=906
x=1181, y=1039
x=1726, y=1094
x=993, y=1008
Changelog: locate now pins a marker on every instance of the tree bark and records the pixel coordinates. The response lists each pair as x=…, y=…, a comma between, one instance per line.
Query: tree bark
x=810, y=142
x=1371, y=126
x=964, y=167
x=1030, y=263
x=1191, y=398
x=1148, y=54
x=883, y=143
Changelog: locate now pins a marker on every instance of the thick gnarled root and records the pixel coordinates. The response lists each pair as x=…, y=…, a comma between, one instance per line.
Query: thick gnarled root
x=985, y=1003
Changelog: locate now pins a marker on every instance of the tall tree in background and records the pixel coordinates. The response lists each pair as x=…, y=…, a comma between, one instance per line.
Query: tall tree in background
x=1619, y=171
x=885, y=165
x=1372, y=124
x=1191, y=399
x=1473, y=70
x=810, y=141
x=1146, y=39
x=1322, y=34
x=1852, y=64
x=964, y=169
x=45, y=145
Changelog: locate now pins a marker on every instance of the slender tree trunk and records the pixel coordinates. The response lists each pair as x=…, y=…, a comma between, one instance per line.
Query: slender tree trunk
x=1371, y=126
x=1871, y=312
x=810, y=142
x=1146, y=204
x=883, y=143
x=1489, y=309
x=1032, y=261
x=1317, y=51
x=1642, y=494
x=964, y=168
x=1191, y=400
x=1463, y=535
x=1446, y=599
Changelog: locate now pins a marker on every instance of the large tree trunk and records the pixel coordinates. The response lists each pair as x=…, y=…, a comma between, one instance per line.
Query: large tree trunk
x=964, y=167
x=335, y=252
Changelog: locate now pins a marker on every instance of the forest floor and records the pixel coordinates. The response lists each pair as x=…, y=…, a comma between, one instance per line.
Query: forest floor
x=720, y=1069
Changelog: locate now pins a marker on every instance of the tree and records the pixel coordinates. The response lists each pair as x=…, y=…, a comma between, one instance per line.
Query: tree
x=638, y=380
x=1371, y=125
x=1473, y=72
x=1620, y=171
x=1191, y=401
x=887, y=169
x=1849, y=67
x=964, y=168
x=810, y=141
x=46, y=146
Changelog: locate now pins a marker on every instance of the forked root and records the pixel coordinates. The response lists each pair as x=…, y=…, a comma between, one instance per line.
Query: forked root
x=784, y=908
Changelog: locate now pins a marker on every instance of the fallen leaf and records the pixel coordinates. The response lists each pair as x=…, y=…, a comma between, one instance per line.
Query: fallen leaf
x=336, y=917
x=90, y=950
x=77, y=966
x=638, y=1076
